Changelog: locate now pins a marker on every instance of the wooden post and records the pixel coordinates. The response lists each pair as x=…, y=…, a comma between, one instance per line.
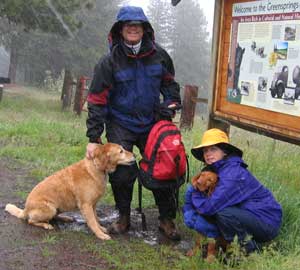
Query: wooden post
x=67, y=90
x=81, y=94
x=189, y=106
x=3, y=80
x=220, y=124
x=1, y=92
x=78, y=96
x=213, y=122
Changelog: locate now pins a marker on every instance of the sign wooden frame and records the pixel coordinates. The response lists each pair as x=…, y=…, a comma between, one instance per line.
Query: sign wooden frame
x=274, y=124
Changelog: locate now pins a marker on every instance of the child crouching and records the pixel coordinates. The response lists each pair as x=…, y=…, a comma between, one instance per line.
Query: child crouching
x=239, y=205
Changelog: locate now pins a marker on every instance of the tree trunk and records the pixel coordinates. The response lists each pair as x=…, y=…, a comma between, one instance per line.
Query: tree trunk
x=12, y=73
x=67, y=90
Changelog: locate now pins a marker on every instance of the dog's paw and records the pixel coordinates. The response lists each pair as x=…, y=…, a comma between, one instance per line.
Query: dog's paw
x=48, y=227
x=105, y=237
x=104, y=229
x=190, y=253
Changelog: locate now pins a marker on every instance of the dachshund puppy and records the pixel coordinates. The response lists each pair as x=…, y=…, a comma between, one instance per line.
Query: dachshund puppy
x=205, y=181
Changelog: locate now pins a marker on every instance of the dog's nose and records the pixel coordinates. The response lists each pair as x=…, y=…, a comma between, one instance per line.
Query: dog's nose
x=199, y=180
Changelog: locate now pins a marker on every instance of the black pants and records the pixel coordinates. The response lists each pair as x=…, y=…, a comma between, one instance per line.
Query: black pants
x=123, y=179
x=233, y=221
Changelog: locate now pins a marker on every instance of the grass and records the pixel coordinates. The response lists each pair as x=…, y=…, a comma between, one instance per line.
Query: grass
x=135, y=254
x=22, y=194
x=50, y=239
x=47, y=252
x=35, y=132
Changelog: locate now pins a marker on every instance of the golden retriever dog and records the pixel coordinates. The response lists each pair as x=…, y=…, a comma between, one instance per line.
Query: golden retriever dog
x=78, y=186
x=205, y=181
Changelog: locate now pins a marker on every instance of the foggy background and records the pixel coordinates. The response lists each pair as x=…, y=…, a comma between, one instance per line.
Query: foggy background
x=41, y=40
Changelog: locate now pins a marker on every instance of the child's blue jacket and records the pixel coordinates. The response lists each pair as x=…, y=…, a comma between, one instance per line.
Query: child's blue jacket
x=236, y=187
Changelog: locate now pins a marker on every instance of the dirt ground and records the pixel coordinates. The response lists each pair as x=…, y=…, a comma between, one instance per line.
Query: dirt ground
x=27, y=247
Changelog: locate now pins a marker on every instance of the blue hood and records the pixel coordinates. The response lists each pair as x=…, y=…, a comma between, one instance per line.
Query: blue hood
x=129, y=13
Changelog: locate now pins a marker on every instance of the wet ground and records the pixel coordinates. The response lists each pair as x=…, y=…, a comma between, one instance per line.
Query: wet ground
x=27, y=247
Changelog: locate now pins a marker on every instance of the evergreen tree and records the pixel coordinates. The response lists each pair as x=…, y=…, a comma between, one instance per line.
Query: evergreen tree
x=191, y=44
x=78, y=54
x=182, y=30
x=48, y=15
x=162, y=19
x=37, y=51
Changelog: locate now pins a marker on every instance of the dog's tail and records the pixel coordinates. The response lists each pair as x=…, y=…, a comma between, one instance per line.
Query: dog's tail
x=15, y=211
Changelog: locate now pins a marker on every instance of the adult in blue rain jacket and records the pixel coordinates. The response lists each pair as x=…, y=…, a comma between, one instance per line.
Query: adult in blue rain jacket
x=239, y=206
x=125, y=98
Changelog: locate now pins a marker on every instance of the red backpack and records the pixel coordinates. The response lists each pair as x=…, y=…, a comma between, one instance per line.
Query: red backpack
x=164, y=162
x=164, y=158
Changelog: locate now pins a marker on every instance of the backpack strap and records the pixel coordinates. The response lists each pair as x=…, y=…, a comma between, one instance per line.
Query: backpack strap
x=187, y=168
x=144, y=225
x=176, y=160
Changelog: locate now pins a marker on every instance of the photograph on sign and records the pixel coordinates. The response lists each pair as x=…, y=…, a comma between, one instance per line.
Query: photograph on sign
x=264, y=63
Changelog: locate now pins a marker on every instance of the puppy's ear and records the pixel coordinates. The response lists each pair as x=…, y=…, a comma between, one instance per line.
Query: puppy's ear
x=194, y=180
x=214, y=180
x=101, y=158
x=211, y=190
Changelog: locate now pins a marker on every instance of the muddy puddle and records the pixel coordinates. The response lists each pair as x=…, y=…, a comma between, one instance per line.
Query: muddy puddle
x=107, y=215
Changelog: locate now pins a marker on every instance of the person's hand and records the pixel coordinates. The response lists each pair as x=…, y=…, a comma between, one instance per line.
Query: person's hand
x=168, y=109
x=174, y=106
x=90, y=148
